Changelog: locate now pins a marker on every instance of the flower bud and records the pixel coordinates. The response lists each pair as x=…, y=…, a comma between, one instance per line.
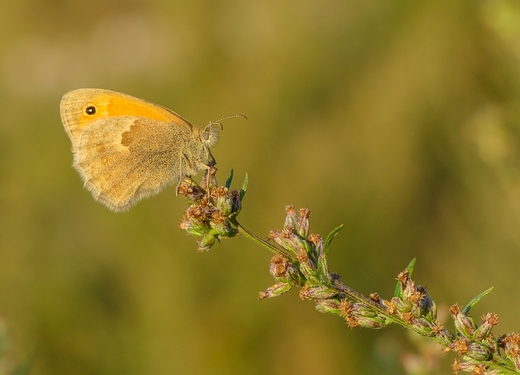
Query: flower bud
x=307, y=292
x=488, y=322
x=236, y=203
x=478, y=351
x=328, y=305
x=275, y=290
x=463, y=323
x=207, y=241
x=302, y=226
x=510, y=342
x=290, y=218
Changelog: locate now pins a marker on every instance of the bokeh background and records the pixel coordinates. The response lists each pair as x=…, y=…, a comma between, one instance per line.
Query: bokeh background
x=399, y=119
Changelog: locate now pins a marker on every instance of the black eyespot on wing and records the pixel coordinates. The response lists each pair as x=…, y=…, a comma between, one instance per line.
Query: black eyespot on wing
x=90, y=110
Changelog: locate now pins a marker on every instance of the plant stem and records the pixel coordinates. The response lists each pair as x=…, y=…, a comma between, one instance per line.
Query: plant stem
x=246, y=233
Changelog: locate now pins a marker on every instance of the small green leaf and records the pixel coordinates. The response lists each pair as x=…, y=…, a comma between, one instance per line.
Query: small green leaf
x=230, y=178
x=397, y=290
x=330, y=237
x=475, y=300
x=411, y=266
x=244, y=188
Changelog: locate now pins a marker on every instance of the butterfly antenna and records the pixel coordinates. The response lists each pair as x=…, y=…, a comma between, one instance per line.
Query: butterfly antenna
x=225, y=118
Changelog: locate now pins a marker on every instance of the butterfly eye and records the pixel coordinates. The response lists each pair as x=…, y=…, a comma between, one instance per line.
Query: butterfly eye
x=90, y=110
x=210, y=135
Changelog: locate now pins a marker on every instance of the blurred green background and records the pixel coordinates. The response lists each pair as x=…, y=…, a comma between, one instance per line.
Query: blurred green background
x=399, y=119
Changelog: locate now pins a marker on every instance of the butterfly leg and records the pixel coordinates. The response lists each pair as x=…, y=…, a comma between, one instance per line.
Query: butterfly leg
x=187, y=169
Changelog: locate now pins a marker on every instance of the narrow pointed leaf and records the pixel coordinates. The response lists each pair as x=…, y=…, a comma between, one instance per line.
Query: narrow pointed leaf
x=230, y=179
x=410, y=268
x=330, y=237
x=244, y=188
x=475, y=300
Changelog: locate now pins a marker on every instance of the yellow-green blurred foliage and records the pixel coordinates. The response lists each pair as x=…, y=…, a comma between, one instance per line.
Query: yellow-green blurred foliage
x=399, y=119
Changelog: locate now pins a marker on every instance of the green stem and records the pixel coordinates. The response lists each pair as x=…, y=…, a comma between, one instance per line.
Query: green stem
x=242, y=230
